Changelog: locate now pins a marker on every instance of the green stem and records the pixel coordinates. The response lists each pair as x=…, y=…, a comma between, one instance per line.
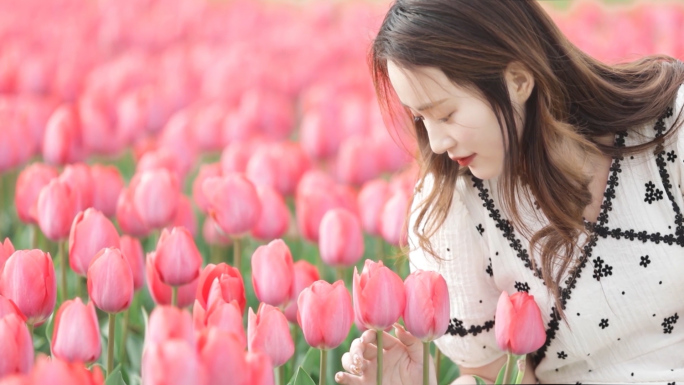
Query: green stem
x=63, y=267
x=509, y=364
x=339, y=273
x=281, y=374
x=237, y=254
x=379, y=333
x=174, y=296
x=379, y=248
x=426, y=363
x=30, y=329
x=110, y=343
x=34, y=236
x=438, y=360
x=79, y=286
x=214, y=254
x=127, y=314
x=295, y=333
x=324, y=367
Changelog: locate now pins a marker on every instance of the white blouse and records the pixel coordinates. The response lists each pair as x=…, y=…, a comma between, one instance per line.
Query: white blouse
x=622, y=302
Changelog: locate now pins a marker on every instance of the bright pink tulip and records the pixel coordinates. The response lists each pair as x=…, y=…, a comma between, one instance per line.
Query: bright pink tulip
x=172, y=362
x=325, y=314
x=31, y=180
x=55, y=371
x=6, y=251
x=133, y=252
x=340, y=238
x=371, y=200
x=55, y=210
x=233, y=203
x=28, y=280
x=426, y=315
x=393, y=220
x=273, y=273
x=229, y=281
x=62, y=141
x=269, y=332
x=223, y=353
x=16, y=379
x=128, y=217
x=90, y=233
x=221, y=315
x=156, y=197
x=8, y=307
x=161, y=292
x=519, y=326
x=76, y=337
x=260, y=368
x=304, y=275
x=110, y=281
x=206, y=171
x=77, y=176
x=108, y=184
x=178, y=261
x=169, y=323
x=379, y=296
x=275, y=216
x=16, y=346
x=213, y=235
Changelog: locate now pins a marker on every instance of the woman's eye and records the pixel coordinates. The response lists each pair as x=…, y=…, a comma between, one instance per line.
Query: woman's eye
x=417, y=119
x=446, y=119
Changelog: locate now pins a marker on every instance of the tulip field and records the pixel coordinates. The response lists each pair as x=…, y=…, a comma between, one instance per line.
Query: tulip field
x=206, y=192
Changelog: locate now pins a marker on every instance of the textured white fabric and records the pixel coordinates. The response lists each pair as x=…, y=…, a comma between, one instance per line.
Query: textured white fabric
x=623, y=310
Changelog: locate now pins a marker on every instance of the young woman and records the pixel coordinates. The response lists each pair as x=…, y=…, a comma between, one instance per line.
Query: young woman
x=545, y=171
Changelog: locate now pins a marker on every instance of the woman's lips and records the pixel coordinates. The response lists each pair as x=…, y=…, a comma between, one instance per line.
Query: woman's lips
x=465, y=161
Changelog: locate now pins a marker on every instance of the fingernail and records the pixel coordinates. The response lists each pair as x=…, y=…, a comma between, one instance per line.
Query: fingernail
x=354, y=369
x=357, y=359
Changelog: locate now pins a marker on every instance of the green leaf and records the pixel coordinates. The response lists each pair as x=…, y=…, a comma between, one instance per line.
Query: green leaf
x=303, y=378
x=479, y=381
x=448, y=370
x=513, y=373
x=115, y=378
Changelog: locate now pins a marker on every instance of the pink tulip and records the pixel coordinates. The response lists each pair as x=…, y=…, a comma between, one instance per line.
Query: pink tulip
x=108, y=184
x=156, y=197
x=133, y=252
x=304, y=275
x=235, y=156
x=77, y=176
x=260, y=368
x=275, y=216
x=110, y=281
x=233, y=203
x=172, y=362
x=62, y=142
x=325, y=314
x=76, y=336
x=8, y=307
x=519, y=327
x=15, y=379
x=206, y=171
x=213, y=235
x=371, y=200
x=294, y=163
x=273, y=273
x=178, y=260
x=318, y=139
x=340, y=238
x=269, y=332
x=208, y=126
x=222, y=315
x=426, y=315
x=16, y=346
x=90, y=232
x=169, y=323
x=393, y=220
x=6, y=251
x=55, y=210
x=185, y=215
x=128, y=217
x=223, y=353
x=161, y=292
x=28, y=280
x=358, y=161
x=379, y=296
x=229, y=281
x=55, y=371
x=31, y=180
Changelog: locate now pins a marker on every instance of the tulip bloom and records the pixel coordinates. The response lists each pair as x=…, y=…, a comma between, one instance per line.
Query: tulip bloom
x=77, y=176
x=31, y=180
x=233, y=203
x=325, y=314
x=371, y=200
x=221, y=352
x=16, y=346
x=518, y=325
x=128, y=217
x=185, y=215
x=167, y=323
x=155, y=197
x=379, y=296
x=275, y=216
x=107, y=186
x=8, y=307
x=133, y=252
x=172, y=362
x=392, y=222
x=220, y=315
x=178, y=260
x=269, y=332
x=55, y=210
x=55, y=371
x=260, y=368
x=426, y=315
x=304, y=275
x=340, y=238
x=213, y=235
x=76, y=337
x=230, y=283
x=206, y=171
x=90, y=233
x=161, y=292
x=273, y=273
x=6, y=251
x=62, y=138
x=110, y=281
x=28, y=280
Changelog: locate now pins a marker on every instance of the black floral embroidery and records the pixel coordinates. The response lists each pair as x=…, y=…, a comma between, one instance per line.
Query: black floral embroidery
x=489, y=268
x=562, y=355
x=522, y=286
x=604, y=323
x=601, y=270
x=668, y=323
x=480, y=229
x=645, y=261
x=456, y=328
x=652, y=193
x=671, y=156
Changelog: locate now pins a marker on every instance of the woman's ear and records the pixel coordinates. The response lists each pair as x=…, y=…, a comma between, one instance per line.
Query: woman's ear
x=520, y=82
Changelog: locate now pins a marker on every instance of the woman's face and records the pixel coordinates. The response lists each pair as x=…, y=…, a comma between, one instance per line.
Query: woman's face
x=458, y=121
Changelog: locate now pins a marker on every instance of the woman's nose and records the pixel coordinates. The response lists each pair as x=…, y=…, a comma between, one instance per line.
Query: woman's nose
x=440, y=141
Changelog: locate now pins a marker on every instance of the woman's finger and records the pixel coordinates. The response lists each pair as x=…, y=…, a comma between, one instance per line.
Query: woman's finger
x=350, y=379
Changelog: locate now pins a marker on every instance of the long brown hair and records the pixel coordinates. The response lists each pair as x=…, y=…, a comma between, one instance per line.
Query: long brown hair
x=576, y=99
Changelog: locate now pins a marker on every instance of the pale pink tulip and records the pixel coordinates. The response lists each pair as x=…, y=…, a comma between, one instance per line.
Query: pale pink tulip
x=62, y=142
x=77, y=176
x=379, y=296
x=223, y=315
x=156, y=197
x=28, y=280
x=110, y=281
x=233, y=203
x=213, y=235
x=358, y=161
x=8, y=307
x=16, y=346
x=128, y=217
x=76, y=335
x=161, y=292
x=172, y=362
x=222, y=353
x=230, y=283
x=178, y=261
x=519, y=327
x=371, y=200
x=185, y=215
x=304, y=275
x=6, y=251
x=108, y=184
x=133, y=252
x=275, y=216
x=169, y=323
x=29, y=183
x=325, y=314
x=269, y=332
x=393, y=220
x=55, y=210
x=56, y=371
x=90, y=232
x=426, y=315
x=260, y=368
x=235, y=156
x=340, y=238
x=206, y=171
x=273, y=273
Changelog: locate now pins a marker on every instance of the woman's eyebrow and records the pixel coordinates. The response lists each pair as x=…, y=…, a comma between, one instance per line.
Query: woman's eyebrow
x=427, y=106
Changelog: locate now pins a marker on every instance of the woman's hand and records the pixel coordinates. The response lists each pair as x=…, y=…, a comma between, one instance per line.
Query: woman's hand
x=402, y=360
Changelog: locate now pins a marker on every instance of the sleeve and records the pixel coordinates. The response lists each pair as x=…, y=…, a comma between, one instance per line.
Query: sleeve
x=470, y=340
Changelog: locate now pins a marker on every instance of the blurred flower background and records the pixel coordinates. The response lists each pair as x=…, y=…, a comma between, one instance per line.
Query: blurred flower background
x=194, y=135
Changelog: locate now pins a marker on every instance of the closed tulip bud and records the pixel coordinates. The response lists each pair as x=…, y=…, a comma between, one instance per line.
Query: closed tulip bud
x=317, y=193
x=178, y=260
x=371, y=200
x=222, y=353
x=62, y=139
x=77, y=176
x=325, y=314
x=110, y=281
x=156, y=197
x=341, y=239
x=358, y=161
x=213, y=235
x=169, y=323
x=31, y=180
x=55, y=210
x=304, y=275
x=108, y=184
x=133, y=252
x=55, y=371
x=128, y=217
x=260, y=368
x=16, y=346
x=6, y=251
x=230, y=284
x=161, y=292
x=392, y=223
x=233, y=203
x=90, y=232
x=426, y=315
x=185, y=215
x=273, y=273
x=221, y=315
x=76, y=336
x=235, y=156
x=379, y=296
x=172, y=362
x=275, y=216
x=8, y=307
x=28, y=280
x=518, y=326
x=206, y=171
x=269, y=332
